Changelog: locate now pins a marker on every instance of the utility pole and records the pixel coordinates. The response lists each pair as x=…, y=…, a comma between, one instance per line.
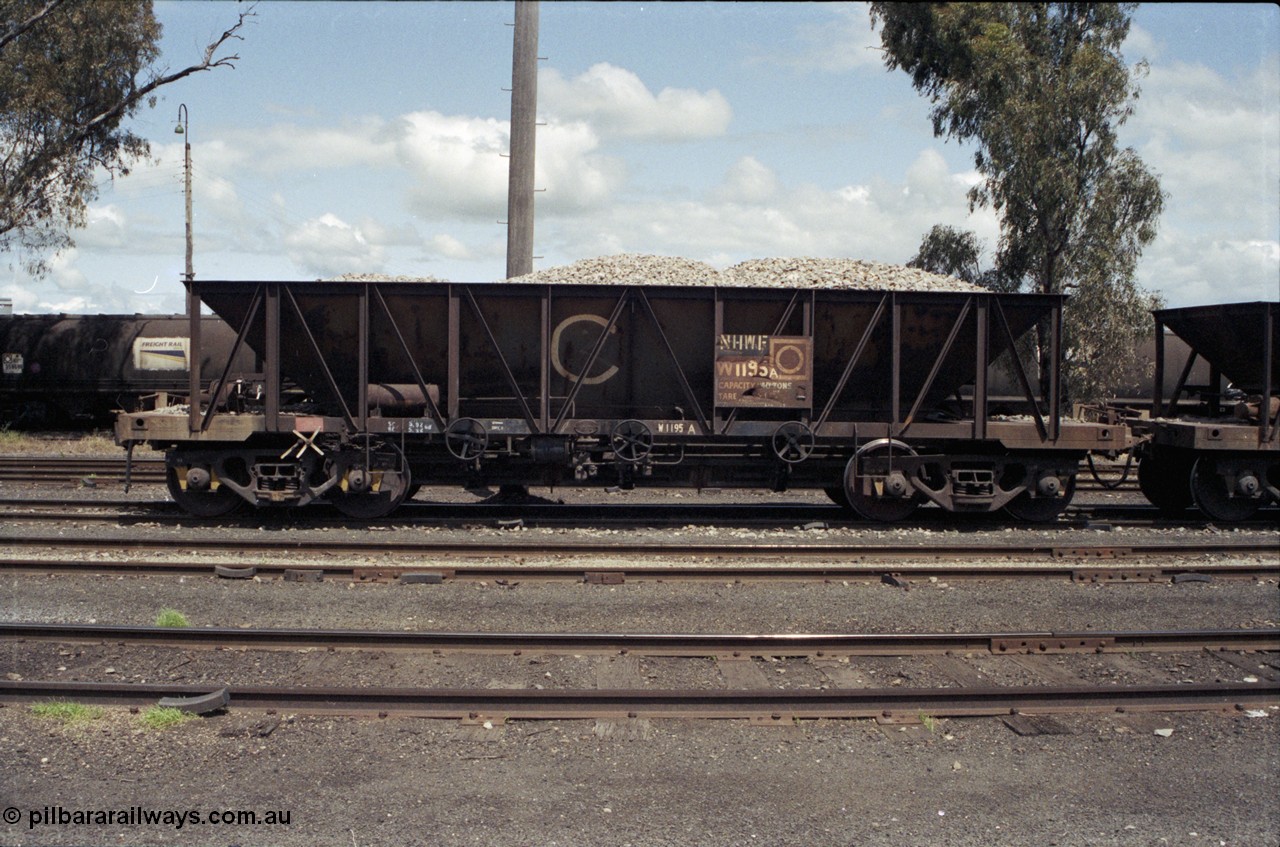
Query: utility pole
x=184, y=129
x=524, y=108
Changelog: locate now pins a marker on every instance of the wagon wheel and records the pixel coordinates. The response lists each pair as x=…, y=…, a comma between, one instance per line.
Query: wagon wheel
x=1166, y=483
x=374, y=491
x=631, y=441
x=1212, y=497
x=838, y=496
x=1024, y=507
x=466, y=439
x=882, y=505
x=793, y=442
x=196, y=488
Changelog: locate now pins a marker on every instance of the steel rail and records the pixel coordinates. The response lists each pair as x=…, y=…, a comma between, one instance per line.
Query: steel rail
x=656, y=644
x=765, y=704
x=614, y=548
x=45, y=468
x=1068, y=568
x=590, y=515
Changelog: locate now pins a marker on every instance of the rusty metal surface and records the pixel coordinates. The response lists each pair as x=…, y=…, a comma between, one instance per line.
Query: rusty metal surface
x=869, y=572
x=582, y=384
x=860, y=559
x=727, y=647
x=551, y=704
x=606, y=341
x=1221, y=435
x=1232, y=338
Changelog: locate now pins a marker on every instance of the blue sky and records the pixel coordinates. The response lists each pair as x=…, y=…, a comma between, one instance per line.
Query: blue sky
x=367, y=137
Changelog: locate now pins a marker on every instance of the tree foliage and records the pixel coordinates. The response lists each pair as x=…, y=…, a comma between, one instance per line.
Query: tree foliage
x=950, y=251
x=1041, y=89
x=71, y=73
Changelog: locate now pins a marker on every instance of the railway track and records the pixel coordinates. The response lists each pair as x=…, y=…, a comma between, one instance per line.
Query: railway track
x=902, y=575
x=576, y=516
x=617, y=515
x=654, y=644
x=420, y=561
x=744, y=697
x=78, y=468
x=779, y=706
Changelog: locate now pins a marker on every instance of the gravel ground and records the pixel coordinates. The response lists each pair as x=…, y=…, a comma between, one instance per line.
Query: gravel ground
x=962, y=606
x=1110, y=781
x=1207, y=779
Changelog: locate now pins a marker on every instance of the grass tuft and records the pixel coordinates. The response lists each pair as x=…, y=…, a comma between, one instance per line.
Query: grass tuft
x=163, y=717
x=172, y=618
x=66, y=711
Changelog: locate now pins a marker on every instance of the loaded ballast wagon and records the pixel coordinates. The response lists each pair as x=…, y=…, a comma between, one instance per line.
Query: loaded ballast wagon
x=372, y=389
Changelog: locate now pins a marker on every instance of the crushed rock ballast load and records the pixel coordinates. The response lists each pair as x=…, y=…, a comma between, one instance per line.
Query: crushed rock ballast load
x=641, y=269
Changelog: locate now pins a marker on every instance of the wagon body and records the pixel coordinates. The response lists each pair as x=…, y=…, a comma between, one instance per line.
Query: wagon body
x=682, y=385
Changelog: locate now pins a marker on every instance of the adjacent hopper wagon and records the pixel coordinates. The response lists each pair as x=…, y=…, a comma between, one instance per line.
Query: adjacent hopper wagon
x=372, y=389
x=1224, y=458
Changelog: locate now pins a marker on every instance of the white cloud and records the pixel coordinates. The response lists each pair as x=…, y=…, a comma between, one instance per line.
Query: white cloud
x=360, y=142
x=75, y=305
x=20, y=296
x=615, y=102
x=845, y=42
x=748, y=181
x=751, y=214
x=64, y=273
x=106, y=227
x=328, y=246
x=1197, y=106
x=1214, y=142
x=384, y=235
x=930, y=180
x=1140, y=45
x=570, y=174
x=456, y=164
x=1191, y=269
x=447, y=246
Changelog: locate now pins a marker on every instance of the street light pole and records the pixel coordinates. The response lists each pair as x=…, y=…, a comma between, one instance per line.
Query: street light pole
x=184, y=129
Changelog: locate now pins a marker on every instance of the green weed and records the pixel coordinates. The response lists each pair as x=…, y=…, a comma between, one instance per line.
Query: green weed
x=65, y=711
x=163, y=717
x=172, y=618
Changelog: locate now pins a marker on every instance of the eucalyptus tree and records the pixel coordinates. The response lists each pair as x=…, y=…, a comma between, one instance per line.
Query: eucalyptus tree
x=1041, y=89
x=954, y=252
x=71, y=73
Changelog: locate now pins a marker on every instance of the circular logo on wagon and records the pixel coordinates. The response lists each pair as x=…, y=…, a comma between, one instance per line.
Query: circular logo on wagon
x=573, y=340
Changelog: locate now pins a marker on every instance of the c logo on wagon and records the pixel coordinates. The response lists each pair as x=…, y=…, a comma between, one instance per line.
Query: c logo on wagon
x=556, y=362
